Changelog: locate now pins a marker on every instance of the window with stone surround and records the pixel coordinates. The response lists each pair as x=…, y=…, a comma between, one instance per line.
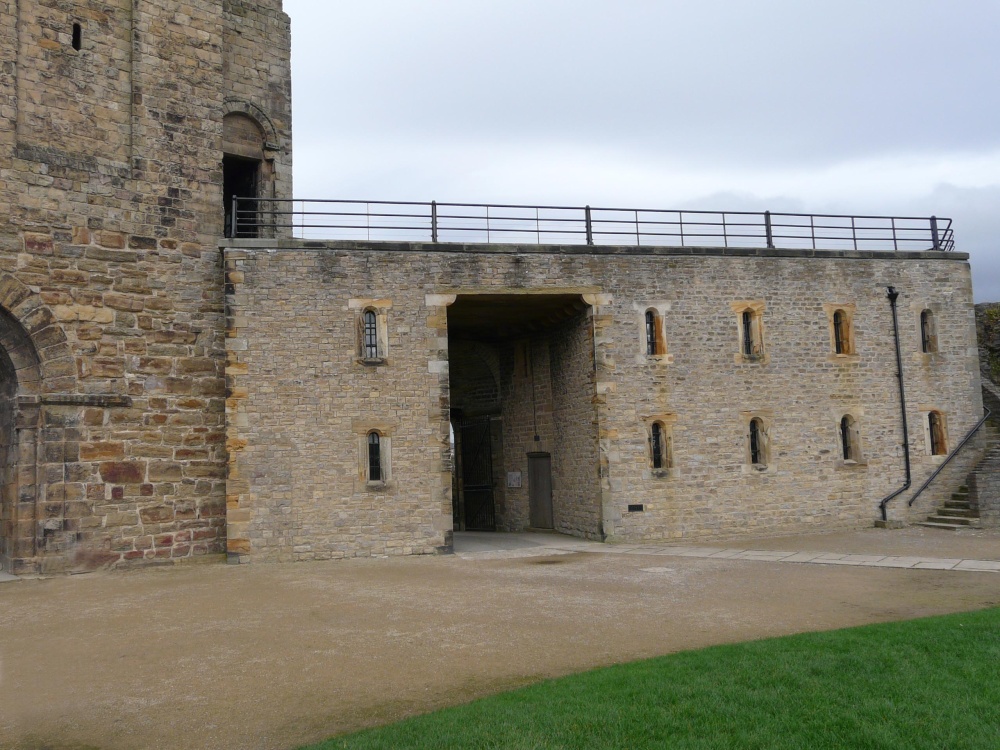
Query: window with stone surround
x=375, y=459
x=758, y=443
x=750, y=331
x=374, y=441
x=840, y=319
x=372, y=318
x=659, y=435
x=656, y=344
x=850, y=441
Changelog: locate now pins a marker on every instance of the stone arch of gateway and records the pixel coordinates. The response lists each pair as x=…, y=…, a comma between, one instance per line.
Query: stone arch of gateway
x=166, y=394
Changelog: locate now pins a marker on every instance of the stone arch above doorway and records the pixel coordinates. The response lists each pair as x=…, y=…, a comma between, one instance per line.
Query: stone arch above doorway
x=34, y=342
x=248, y=148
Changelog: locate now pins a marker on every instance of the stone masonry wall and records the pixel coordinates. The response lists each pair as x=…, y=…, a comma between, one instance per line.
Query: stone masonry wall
x=110, y=214
x=576, y=482
x=301, y=399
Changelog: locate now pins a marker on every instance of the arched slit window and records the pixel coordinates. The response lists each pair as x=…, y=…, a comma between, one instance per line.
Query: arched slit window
x=928, y=342
x=748, y=333
x=655, y=342
x=840, y=337
x=658, y=446
x=847, y=442
x=935, y=424
x=374, y=457
x=757, y=457
x=370, y=335
x=77, y=37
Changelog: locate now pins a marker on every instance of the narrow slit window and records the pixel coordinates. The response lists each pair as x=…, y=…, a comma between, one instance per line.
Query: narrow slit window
x=846, y=439
x=840, y=339
x=756, y=442
x=77, y=37
x=747, y=333
x=927, y=339
x=655, y=342
x=650, y=332
x=370, y=343
x=935, y=424
x=656, y=445
x=374, y=457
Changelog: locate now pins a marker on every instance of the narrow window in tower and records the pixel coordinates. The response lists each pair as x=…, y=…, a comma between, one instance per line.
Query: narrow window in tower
x=757, y=453
x=845, y=438
x=840, y=332
x=656, y=445
x=374, y=457
x=77, y=37
x=748, y=333
x=935, y=423
x=655, y=343
x=928, y=341
x=370, y=343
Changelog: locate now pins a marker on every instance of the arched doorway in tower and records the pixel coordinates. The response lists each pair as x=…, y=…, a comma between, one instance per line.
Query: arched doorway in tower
x=20, y=381
x=247, y=174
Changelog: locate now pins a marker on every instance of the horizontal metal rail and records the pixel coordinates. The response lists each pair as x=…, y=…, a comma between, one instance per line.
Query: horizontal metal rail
x=408, y=221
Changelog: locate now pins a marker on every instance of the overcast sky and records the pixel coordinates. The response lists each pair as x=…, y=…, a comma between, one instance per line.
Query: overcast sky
x=854, y=106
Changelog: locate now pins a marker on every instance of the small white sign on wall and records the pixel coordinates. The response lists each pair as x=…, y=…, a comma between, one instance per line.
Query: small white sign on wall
x=513, y=479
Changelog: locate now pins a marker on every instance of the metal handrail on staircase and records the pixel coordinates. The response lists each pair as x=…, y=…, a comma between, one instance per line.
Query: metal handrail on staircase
x=951, y=455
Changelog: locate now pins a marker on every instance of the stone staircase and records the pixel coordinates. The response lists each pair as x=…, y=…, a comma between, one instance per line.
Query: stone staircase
x=956, y=513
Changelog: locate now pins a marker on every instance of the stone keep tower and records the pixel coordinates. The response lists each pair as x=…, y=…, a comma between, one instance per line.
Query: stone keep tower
x=124, y=126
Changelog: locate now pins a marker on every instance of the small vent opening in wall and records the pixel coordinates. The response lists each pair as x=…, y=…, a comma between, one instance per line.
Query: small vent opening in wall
x=636, y=508
x=77, y=37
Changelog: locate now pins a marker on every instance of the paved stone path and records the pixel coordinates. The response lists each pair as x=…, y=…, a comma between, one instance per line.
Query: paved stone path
x=526, y=546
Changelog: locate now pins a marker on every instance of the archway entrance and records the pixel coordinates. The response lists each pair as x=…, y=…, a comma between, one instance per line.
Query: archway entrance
x=246, y=173
x=522, y=386
x=20, y=380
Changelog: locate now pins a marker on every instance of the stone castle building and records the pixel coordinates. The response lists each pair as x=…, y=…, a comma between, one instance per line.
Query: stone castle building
x=284, y=399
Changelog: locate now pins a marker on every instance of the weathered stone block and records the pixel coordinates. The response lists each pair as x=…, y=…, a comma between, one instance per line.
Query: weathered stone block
x=123, y=472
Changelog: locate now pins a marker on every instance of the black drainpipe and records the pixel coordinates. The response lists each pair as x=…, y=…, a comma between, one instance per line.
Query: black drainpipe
x=893, y=296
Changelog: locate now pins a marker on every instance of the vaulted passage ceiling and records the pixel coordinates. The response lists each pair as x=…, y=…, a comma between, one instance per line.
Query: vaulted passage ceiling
x=498, y=317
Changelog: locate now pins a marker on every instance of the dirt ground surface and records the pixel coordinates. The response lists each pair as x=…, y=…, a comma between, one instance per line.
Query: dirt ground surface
x=274, y=656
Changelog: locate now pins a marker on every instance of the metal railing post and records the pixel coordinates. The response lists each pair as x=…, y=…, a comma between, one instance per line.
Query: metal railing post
x=434, y=221
x=767, y=230
x=590, y=225
x=232, y=218
x=935, y=237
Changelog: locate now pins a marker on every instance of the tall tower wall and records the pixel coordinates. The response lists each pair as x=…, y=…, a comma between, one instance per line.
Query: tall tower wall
x=116, y=123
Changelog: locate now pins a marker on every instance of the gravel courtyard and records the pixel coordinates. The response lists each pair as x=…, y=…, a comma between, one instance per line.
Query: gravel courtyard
x=214, y=656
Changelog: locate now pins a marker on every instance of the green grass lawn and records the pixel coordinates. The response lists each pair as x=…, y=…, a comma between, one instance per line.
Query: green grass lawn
x=931, y=683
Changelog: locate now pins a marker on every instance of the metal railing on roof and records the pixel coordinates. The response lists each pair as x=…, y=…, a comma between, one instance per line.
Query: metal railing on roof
x=406, y=221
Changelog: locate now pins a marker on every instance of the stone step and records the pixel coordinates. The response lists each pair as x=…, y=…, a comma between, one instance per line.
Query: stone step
x=942, y=526
x=958, y=504
x=951, y=520
x=958, y=512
